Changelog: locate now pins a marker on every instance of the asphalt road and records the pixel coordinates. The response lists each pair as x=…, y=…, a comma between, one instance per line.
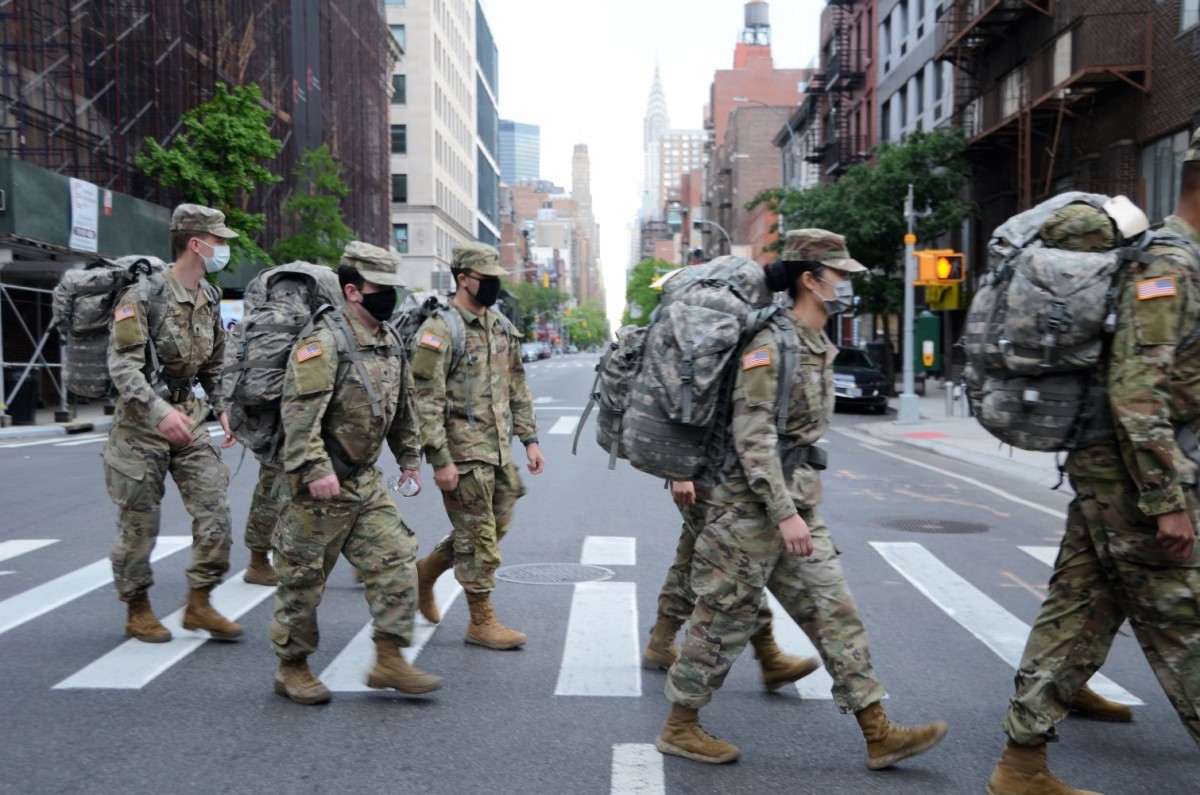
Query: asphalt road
x=83, y=712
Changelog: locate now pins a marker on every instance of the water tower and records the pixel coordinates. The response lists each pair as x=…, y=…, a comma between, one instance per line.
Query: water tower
x=757, y=31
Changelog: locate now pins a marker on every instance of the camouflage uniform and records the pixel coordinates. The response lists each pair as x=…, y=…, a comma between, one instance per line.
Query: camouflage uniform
x=137, y=458
x=468, y=417
x=325, y=410
x=265, y=508
x=1110, y=565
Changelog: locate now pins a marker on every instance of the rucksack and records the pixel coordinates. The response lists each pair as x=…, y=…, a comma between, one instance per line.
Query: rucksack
x=416, y=308
x=665, y=393
x=281, y=306
x=1038, y=328
x=82, y=310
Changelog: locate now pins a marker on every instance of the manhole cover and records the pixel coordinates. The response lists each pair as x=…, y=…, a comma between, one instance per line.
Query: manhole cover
x=935, y=526
x=553, y=573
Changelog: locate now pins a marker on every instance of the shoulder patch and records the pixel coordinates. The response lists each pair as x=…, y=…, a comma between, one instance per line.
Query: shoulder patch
x=1163, y=287
x=431, y=341
x=310, y=351
x=758, y=358
x=124, y=312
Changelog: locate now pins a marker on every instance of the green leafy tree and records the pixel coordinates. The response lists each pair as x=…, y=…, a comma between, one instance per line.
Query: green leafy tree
x=537, y=303
x=316, y=204
x=587, y=325
x=218, y=159
x=640, y=298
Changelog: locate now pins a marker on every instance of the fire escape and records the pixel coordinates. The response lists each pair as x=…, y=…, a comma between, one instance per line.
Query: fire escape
x=841, y=75
x=1024, y=110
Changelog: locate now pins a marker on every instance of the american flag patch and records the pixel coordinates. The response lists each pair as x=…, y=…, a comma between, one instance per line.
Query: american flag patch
x=1156, y=288
x=124, y=313
x=759, y=358
x=431, y=341
x=310, y=351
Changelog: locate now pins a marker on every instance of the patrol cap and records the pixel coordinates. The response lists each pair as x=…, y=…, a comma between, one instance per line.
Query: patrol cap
x=819, y=245
x=478, y=257
x=202, y=220
x=1193, y=152
x=377, y=265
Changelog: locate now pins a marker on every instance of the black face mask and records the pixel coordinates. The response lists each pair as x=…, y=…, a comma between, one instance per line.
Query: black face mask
x=380, y=305
x=488, y=292
x=779, y=276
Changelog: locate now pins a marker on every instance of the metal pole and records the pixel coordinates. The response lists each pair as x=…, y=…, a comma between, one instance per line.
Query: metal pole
x=909, y=408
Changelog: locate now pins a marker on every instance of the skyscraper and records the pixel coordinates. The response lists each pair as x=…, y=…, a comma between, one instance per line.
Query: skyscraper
x=656, y=123
x=520, y=152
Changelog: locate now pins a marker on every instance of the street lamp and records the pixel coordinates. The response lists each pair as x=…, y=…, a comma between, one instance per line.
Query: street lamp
x=728, y=240
x=782, y=156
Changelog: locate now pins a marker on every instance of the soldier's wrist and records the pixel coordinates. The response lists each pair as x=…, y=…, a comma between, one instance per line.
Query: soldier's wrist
x=1157, y=503
x=529, y=441
x=438, y=458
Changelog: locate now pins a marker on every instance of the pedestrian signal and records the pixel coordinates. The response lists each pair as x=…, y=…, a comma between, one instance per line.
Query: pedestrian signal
x=940, y=266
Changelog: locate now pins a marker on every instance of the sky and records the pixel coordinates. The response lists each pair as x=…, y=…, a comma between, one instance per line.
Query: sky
x=582, y=70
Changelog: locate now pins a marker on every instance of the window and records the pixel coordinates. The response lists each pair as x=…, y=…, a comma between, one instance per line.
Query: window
x=1162, y=173
x=399, y=35
x=400, y=188
x=1190, y=14
x=399, y=90
x=885, y=121
x=399, y=139
x=918, y=89
x=394, y=2
x=400, y=237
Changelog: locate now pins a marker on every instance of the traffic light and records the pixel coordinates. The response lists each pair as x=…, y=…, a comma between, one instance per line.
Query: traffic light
x=546, y=279
x=940, y=266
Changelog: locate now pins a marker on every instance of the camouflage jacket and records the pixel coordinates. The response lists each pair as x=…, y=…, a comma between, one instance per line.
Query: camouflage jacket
x=759, y=474
x=490, y=374
x=1153, y=384
x=319, y=402
x=190, y=344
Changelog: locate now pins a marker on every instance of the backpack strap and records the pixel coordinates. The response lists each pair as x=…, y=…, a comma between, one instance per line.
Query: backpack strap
x=348, y=353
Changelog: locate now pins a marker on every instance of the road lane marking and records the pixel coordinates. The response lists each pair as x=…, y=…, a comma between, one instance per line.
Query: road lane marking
x=1047, y=555
x=11, y=549
x=601, y=655
x=135, y=664
x=862, y=438
x=347, y=672
x=28, y=605
x=76, y=442
x=818, y=684
x=565, y=425
x=609, y=551
x=975, y=611
x=637, y=769
x=560, y=408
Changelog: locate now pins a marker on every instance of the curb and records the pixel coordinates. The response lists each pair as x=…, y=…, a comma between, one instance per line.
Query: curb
x=57, y=429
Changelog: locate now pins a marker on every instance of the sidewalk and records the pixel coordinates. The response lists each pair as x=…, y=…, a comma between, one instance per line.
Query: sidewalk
x=89, y=417
x=964, y=439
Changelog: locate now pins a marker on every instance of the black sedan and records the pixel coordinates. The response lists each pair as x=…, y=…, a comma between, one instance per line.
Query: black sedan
x=858, y=381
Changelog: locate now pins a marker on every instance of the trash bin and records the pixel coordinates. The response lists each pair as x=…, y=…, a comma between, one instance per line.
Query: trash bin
x=22, y=403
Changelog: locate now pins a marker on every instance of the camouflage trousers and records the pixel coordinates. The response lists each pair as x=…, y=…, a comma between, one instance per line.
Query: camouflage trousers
x=362, y=524
x=1110, y=568
x=738, y=554
x=480, y=512
x=265, y=508
x=137, y=460
x=676, y=600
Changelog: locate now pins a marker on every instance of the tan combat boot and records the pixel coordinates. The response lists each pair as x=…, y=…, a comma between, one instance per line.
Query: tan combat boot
x=260, y=571
x=429, y=569
x=1022, y=770
x=779, y=669
x=392, y=670
x=661, y=653
x=200, y=614
x=683, y=736
x=485, y=629
x=142, y=624
x=294, y=680
x=1090, y=704
x=888, y=743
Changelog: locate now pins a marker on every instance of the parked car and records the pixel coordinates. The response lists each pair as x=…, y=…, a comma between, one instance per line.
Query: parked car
x=530, y=352
x=858, y=381
x=544, y=351
x=572, y=349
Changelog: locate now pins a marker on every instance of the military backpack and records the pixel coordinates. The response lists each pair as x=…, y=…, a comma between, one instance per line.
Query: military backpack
x=1039, y=325
x=665, y=393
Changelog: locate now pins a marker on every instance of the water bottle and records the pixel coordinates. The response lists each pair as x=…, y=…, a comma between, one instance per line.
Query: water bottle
x=409, y=488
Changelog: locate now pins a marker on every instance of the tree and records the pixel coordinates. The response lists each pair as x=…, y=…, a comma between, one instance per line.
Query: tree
x=640, y=298
x=587, y=325
x=316, y=204
x=217, y=160
x=537, y=303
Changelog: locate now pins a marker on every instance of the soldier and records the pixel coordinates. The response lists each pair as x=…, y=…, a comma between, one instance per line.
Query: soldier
x=1129, y=549
x=677, y=600
x=265, y=510
x=764, y=529
x=338, y=407
x=159, y=425
x=468, y=418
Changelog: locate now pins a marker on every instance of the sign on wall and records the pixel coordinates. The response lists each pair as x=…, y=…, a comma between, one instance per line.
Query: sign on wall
x=85, y=216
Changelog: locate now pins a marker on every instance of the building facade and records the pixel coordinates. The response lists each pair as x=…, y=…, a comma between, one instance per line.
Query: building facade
x=915, y=88
x=487, y=131
x=654, y=127
x=520, y=152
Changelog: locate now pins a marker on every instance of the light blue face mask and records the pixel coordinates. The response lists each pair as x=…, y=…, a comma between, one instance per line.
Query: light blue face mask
x=843, y=296
x=219, y=259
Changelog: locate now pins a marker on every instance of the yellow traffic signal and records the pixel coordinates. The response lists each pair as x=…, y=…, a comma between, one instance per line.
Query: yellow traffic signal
x=940, y=266
x=545, y=280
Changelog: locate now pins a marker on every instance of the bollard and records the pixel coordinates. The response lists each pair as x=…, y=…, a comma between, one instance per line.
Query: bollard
x=949, y=389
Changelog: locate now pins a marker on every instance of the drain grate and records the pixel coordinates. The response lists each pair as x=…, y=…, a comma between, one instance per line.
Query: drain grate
x=941, y=526
x=553, y=573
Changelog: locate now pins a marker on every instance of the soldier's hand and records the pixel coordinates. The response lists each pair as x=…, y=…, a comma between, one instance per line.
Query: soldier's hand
x=683, y=492
x=537, y=461
x=796, y=538
x=446, y=478
x=1176, y=533
x=413, y=475
x=176, y=427
x=229, y=440
x=326, y=488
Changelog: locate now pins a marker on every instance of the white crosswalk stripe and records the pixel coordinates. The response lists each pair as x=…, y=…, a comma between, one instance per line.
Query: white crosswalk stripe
x=818, y=684
x=565, y=425
x=609, y=551
x=637, y=769
x=601, y=656
x=1046, y=555
x=18, y=546
x=975, y=611
x=134, y=664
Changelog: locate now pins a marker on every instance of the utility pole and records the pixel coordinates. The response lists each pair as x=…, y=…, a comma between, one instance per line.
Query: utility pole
x=910, y=411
